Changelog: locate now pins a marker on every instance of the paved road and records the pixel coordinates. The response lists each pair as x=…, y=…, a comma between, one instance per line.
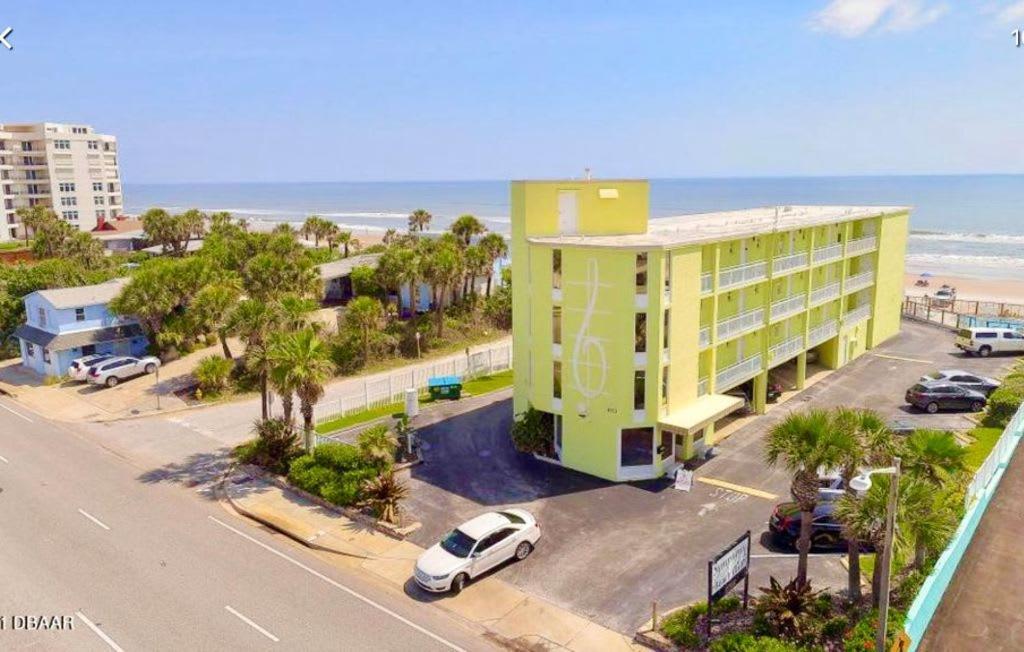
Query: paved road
x=139, y=563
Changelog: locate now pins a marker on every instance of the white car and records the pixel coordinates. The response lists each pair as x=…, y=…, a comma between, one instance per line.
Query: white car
x=476, y=547
x=115, y=370
x=986, y=341
x=79, y=369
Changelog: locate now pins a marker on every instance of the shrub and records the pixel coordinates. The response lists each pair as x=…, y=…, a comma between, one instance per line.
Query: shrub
x=384, y=495
x=835, y=627
x=906, y=590
x=862, y=636
x=341, y=491
x=275, y=446
x=306, y=474
x=746, y=643
x=534, y=432
x=213, y=372
x=338, y=457
x=377, y=446
x=788, y=609
x=1002, y=405
x=678, y=627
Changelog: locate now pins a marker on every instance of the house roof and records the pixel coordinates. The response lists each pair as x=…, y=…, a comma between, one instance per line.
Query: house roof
x=127, y=225
x=344, y=267
x=85, y=295
x=77, y=339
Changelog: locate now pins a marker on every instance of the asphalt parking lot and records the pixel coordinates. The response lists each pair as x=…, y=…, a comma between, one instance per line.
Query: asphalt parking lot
x=609, y=549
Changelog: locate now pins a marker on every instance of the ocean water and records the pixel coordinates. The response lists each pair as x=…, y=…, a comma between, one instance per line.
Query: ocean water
x=960, y=225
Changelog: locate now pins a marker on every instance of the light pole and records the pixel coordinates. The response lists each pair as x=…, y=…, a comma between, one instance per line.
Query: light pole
x=863, y=483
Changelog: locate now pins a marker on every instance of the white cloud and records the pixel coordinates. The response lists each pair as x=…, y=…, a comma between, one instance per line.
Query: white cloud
x=853, y=18
x=1012, y=12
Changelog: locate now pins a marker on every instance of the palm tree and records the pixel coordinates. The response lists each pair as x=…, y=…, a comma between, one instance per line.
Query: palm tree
x=390, y=236
x=212, y=308
x=346, y=240
x=312, y=227
x=443, y=269
x=383, y=494
x=805, y=442
x=476, y=266
x=496, y=247
x=419, y=220
x=301, y=364
x=930, y=516
x=331, y=233
x=365, y=314
x=933, y=455
x=378, y=444
x=254, y=321
x=295, y=312
x=465, y=227
x=32, y=217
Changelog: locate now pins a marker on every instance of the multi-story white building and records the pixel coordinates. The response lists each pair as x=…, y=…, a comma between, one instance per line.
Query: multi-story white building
x=66, y=167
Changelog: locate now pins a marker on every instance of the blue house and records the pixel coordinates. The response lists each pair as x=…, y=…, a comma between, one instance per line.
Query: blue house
x=68, y=323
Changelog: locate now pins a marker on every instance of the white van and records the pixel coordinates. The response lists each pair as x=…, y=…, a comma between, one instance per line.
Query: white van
x=986, y=341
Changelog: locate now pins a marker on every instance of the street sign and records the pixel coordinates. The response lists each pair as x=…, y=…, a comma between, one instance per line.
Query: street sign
x=729, y=567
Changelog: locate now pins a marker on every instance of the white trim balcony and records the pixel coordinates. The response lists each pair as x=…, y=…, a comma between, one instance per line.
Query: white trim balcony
x=702, y=386
x=784, y=264
x=861, y=245
x=826, y=293
x=859, y=281
x=741, y=323
x=735, y=374
x=785, y=350
x=706, y=284
x=788, y=307
x=827, y=254
x=822, y=332
x=742, y=274
x=704, y=337
x=860, y=313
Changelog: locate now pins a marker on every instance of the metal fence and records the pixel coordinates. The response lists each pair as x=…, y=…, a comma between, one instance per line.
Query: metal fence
x=379, y=391
x=960, y=314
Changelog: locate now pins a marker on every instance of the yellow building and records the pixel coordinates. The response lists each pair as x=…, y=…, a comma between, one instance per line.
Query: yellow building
x=629, y=333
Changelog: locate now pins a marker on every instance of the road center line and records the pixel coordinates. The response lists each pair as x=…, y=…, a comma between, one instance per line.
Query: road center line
x=340, y=586
x=252, y=624
x=93, y=519
x=99, y=632
x=17, y=414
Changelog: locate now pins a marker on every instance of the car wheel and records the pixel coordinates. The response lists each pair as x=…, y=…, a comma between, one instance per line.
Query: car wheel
x=112, y=381
x=523, y=550
x=823, y=541
x=932, y=408
x=459, y=583
x=977, y=406
x=150, y=368
x=985, y=351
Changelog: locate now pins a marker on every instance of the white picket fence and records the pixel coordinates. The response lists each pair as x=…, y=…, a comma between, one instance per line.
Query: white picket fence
x=384, y=390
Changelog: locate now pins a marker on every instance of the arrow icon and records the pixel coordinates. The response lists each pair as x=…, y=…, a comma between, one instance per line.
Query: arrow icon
x=3, y=38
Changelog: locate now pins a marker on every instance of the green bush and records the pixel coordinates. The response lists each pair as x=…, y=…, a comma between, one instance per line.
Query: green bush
x=678, y=627
x=746, y=643
x=1002, y=405
x=338, y=457
x=534, y=432
x=835, y=627
x=335, y=472
x=862, y=636
x=275, y=446
x=213, y=372
x=306, y=474
x=907, y=589
x=342, y=491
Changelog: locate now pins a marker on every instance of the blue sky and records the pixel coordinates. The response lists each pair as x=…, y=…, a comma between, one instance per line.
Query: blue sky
x=323, y=91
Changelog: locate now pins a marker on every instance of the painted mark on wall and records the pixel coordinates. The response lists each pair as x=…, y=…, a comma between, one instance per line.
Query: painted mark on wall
x=589, y=358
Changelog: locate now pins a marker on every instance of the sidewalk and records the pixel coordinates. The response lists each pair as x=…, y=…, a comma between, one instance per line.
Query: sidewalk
x=506, y=612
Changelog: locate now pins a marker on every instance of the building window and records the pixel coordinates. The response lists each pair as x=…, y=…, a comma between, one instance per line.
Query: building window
x=79, y=314
x=636, y=445
x=30, y=349
x=69, y=201
x=639, y=389
x=46, y=356
x=556, y=324
x=641, y=273
x=640, y=332
x=66, y=187
x=93, y=144
x=665, y=450
x=556, y=379
x=70, y=216
x=26, y=147
x=664, y=385
x=665, y=329
x=62, y=144
x=668, y=271
x=101, y=215
x=97, y=186
x=41, y=317
x=98, y=200
x=556, y=269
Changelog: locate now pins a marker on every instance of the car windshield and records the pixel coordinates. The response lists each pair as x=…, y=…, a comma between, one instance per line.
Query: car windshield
x=458, y=543
x=935, y=375
x=919, y=389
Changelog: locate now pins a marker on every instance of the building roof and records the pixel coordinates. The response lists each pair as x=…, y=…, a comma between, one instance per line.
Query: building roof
x=77, y=339
x=193, y=246
x=344, y=267
x=699, y=228
x=699, y=413
x=119, y=226
x=85, y=295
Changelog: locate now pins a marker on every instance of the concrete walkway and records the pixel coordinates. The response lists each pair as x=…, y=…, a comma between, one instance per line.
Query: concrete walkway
x=983, y=608
x=505, y=612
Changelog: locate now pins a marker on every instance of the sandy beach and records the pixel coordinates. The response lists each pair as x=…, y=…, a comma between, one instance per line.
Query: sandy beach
x=1002, y=290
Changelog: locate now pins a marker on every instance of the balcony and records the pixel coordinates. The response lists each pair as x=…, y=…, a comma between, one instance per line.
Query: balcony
x=706, y=284
x=822, y=332
x=742, y=274
x=785, y=350
x=704, y=337
x=787, y=307
x=702, y=386
x=742, y=323
x=735, y=374
x=789, y=263
x=861, y=245
x=860, y=313
x=828, y=254
x=826, y=293
x=860, y=281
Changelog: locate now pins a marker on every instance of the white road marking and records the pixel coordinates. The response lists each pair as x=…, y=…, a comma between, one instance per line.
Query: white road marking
x=4, y=459
x=99, y=632
x=338, y=585
x=93, y=518
x=17, y=414
x=252, y=624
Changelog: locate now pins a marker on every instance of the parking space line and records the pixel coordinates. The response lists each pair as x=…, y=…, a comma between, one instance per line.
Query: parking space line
x=750, y=491
x=897, y=357
x=17, y=414
x=93, y=519
x=251, y=623
x=99, y=632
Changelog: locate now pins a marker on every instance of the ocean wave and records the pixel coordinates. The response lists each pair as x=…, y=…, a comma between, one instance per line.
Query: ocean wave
x=959, y=260
x=985, y=238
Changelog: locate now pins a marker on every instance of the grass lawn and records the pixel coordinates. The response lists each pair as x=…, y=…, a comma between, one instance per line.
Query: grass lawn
x=984, y=441
x=12, y=245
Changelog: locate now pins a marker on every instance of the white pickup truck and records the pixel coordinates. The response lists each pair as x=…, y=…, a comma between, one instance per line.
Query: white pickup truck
x=986, y=341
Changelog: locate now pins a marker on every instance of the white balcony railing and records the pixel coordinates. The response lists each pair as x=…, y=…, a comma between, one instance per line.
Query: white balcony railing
x=829, y=253
x=860, y=313
x=702, y=386
x=860, y=281
x=735, y=374
x=704, y=337
x=789, y=263
x=741, y=274
x=827, y=293
x=786, y=307
x=747, y=321
x=861, y=245
x=822, y=332
x=706, y=285
x=785, y=350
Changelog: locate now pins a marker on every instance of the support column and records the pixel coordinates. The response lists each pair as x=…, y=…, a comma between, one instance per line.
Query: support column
x=801, y=370
x=713, y=357
x=761, y=392
x=709, y=434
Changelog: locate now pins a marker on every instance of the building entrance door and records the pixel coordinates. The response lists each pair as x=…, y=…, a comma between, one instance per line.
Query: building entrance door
x=568, y=220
